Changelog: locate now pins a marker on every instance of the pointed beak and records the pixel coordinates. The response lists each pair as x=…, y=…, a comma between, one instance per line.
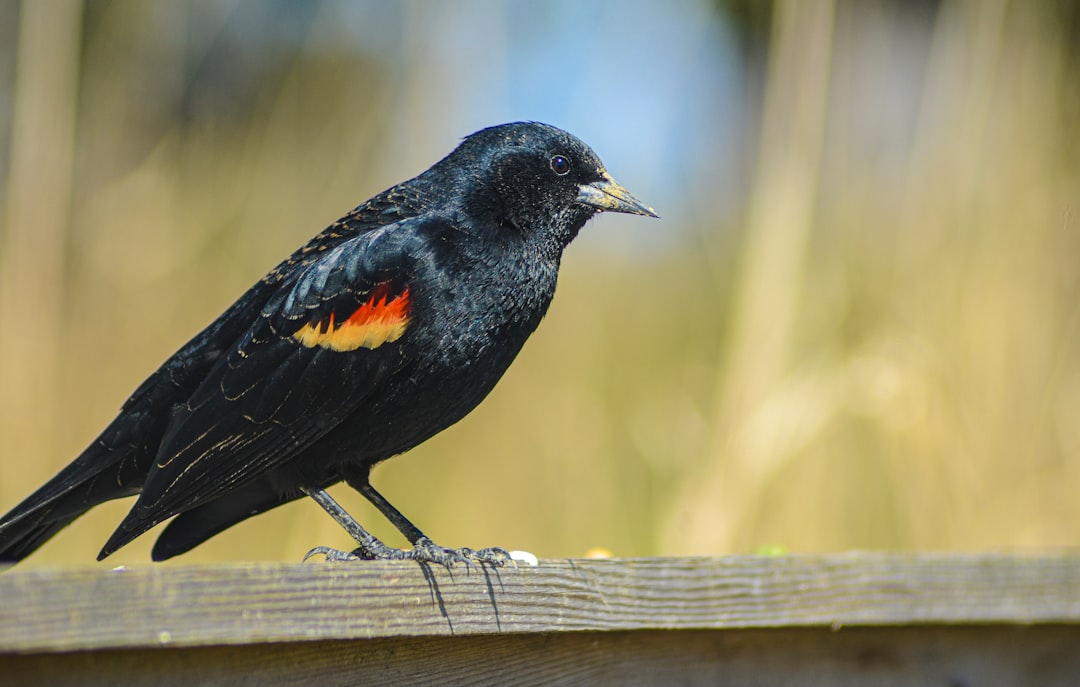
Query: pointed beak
x=608, y=195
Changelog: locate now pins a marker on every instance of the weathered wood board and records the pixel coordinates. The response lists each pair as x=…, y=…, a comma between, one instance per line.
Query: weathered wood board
x=955, y=619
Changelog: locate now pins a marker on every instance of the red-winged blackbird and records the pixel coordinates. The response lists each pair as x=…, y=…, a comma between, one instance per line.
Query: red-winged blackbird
x=387, y=327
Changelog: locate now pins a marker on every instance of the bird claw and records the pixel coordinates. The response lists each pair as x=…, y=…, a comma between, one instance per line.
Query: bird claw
x=332, y=555
x=494, y=555
x=427, y=551
x=423, y=551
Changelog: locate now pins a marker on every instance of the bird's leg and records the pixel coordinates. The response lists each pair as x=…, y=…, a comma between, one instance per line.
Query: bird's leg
x=418, y=539
x=371, y=548
x=407, y=529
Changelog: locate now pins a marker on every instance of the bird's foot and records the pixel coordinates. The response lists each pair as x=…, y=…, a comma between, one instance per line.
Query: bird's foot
x=331, y=555
x=423, y=551
x=493, y=555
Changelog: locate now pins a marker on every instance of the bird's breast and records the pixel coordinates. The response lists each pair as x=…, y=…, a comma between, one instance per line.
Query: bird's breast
x=485, y=312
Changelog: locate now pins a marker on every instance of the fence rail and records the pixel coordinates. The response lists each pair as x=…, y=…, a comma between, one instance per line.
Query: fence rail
x=855, y=618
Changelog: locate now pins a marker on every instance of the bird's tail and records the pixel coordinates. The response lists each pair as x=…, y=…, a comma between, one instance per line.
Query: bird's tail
x=96, y=476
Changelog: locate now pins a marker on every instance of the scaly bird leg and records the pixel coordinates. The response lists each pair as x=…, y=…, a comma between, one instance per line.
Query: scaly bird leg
x=371, y=548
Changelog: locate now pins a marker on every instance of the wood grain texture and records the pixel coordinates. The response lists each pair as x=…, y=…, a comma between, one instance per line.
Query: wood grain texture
x=857, y=657
x=50, y=610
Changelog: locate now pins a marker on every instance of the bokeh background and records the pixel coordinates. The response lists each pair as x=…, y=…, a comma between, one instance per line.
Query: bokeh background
x=856, y=325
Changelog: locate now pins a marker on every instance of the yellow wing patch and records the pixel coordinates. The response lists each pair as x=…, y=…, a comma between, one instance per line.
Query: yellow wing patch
x=381, y=319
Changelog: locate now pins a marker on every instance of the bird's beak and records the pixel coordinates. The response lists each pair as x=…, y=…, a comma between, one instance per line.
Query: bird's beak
x=607, y=194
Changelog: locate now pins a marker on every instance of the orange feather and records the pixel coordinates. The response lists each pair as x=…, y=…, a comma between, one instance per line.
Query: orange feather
x=379, y=320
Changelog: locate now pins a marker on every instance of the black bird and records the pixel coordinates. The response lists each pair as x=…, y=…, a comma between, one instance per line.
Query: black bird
x=387, y=327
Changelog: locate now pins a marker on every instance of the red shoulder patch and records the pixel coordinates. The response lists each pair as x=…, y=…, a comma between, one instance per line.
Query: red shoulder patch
x=382, y=318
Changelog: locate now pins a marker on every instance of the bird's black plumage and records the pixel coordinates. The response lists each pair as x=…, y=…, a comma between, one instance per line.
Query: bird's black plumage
x=384, y=329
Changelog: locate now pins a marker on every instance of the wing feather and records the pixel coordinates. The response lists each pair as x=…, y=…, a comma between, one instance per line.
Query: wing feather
x=322, y=344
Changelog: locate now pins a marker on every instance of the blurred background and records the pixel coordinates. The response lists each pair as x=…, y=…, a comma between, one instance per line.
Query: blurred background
x=856, y=325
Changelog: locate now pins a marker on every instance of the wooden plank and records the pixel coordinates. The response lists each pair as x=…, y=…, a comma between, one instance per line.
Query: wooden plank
x=51, y=610
x=991, y=656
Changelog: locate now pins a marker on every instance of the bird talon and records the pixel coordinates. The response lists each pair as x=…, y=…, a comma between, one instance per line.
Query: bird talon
x=495, y=555
x=423, y=551
x=332, y=555
x=426, y=551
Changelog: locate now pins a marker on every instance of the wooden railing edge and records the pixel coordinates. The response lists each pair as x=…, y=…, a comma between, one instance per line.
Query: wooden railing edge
x=46, y=610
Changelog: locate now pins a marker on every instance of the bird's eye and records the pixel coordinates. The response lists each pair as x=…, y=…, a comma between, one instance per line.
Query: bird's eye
x=560, y=165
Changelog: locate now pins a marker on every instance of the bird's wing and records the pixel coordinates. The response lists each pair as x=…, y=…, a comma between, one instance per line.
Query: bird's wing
x=325, y=341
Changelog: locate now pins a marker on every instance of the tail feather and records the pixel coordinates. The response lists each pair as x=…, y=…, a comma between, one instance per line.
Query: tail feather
x=24, y=539
x=118, y=461
x=193, y=527
x=95, y=477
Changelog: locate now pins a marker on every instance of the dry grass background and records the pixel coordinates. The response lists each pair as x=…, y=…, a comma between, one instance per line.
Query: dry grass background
x=873, y=352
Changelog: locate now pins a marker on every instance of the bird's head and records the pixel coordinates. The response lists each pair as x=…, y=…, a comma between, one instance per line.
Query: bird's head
x=538, y=180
